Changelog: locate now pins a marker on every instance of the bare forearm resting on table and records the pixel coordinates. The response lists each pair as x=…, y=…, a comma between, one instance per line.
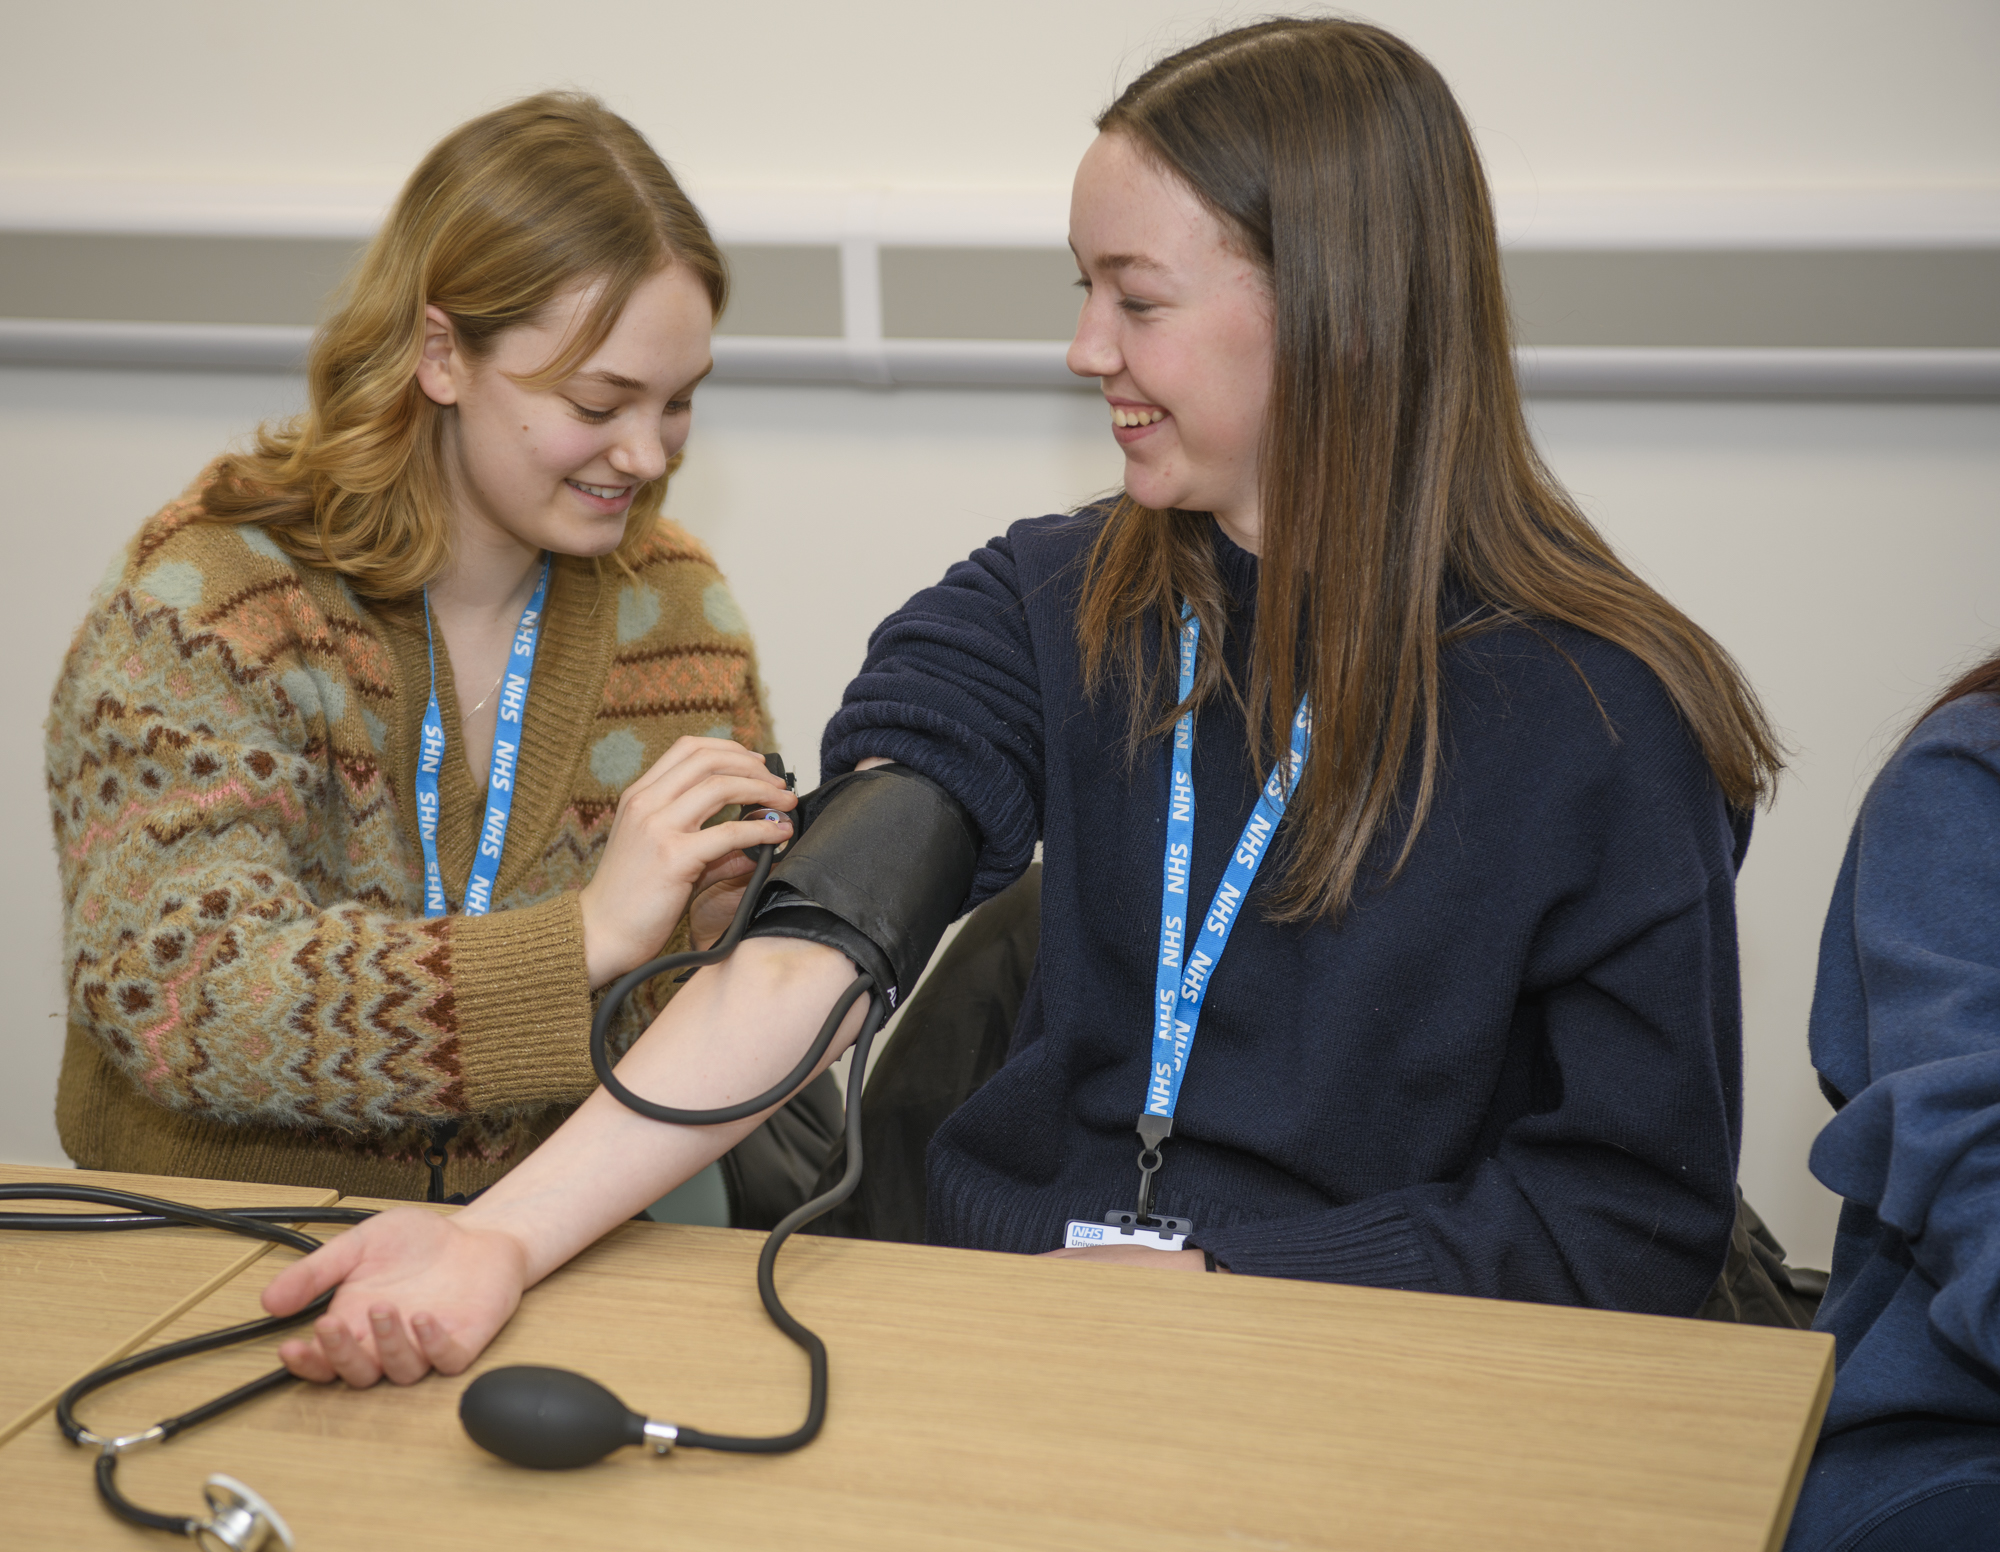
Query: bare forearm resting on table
x=733, y=1031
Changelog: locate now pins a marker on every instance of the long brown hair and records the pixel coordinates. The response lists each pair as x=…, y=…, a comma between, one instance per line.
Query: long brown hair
x=1980, y=679
x=1395, y=457
x=505, y=213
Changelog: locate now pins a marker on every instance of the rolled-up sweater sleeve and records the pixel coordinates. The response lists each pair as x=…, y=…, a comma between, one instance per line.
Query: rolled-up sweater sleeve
x=1907, y=1017
x=949, y=688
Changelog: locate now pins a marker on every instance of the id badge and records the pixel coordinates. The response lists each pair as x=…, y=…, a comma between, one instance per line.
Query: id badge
x=1123, y=1228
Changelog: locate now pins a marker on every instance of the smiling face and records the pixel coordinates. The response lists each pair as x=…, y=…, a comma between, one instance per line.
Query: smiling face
x=556, y=468
x=1177, y=325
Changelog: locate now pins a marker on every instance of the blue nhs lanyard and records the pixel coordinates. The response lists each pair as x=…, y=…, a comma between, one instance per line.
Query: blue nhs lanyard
x=499, y=771
x=1185, y=963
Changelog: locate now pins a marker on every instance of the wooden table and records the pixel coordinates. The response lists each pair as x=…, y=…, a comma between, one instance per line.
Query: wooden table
x=997, y=1401
x=74, y=1302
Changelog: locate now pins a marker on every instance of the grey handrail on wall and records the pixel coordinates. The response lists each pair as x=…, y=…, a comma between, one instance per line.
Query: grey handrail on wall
x=1549, y=371
x=1622, y=293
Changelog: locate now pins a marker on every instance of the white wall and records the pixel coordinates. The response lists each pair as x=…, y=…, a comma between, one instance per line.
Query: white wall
x=828, y=507
x=1842, y=551
x=897, y=92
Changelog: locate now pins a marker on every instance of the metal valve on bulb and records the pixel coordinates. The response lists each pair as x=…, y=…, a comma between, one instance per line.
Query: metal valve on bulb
x=553, y=1419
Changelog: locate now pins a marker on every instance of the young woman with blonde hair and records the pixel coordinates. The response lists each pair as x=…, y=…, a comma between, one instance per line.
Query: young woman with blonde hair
x=392, y=738
x=1343, y=682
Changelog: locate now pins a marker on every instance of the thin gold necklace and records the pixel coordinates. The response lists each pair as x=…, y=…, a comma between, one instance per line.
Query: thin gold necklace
x=489, y=694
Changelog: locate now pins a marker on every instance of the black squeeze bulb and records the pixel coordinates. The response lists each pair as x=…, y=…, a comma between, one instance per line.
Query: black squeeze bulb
x=550, y=1419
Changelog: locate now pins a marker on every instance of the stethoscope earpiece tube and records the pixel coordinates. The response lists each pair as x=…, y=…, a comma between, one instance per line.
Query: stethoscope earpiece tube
x=239, y=1520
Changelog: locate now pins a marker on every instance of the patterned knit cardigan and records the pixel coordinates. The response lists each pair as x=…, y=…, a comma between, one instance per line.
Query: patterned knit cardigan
x=254, y=991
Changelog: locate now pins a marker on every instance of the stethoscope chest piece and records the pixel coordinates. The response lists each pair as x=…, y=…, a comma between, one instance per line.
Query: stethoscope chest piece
x=240, y=1520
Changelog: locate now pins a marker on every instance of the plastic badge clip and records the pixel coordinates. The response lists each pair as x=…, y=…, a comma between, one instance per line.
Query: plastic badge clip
x=1166, y=1228
x=1153, y=1130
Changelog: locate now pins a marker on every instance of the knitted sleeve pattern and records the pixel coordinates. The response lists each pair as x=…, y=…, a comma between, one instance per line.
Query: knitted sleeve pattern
x=239, y=936
x=244, y=936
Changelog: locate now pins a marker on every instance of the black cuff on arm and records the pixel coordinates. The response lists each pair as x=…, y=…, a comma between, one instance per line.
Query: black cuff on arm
x=881, y=865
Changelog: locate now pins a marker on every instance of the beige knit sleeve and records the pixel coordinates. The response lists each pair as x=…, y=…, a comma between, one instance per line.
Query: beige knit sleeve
x=240, y=911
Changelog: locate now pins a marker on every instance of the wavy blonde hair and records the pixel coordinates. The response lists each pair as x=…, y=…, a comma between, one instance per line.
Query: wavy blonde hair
x=505, y=213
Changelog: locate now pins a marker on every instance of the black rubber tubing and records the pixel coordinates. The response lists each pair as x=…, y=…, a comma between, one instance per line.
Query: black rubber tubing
x=622, y=988
x=148, y=1212
x=269, y=1223
x=767, y=1289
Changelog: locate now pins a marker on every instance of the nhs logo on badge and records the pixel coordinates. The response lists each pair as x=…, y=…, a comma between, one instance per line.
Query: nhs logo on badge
x=1123, y=1228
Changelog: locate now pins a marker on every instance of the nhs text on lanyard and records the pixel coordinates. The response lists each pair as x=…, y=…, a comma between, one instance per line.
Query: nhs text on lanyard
x=1187, y=961
x=500, y=769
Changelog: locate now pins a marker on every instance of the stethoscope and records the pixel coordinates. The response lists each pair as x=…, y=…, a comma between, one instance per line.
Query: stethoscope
x=533, y=1416
x=239, y=1520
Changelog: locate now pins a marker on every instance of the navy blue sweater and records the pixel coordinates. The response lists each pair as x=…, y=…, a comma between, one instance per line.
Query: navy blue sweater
x=1906, y=1034
x=1511, y=1071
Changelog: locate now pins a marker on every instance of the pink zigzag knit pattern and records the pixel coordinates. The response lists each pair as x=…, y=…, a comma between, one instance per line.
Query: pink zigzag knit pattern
x=96, y=833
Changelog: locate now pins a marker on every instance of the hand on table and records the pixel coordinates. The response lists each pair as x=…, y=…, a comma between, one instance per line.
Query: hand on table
x=418, y=1291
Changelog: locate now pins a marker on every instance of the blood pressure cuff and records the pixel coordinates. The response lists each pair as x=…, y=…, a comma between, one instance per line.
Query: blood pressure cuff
x=881, y=865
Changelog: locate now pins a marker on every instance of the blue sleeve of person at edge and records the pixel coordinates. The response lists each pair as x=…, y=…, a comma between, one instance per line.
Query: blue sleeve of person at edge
x=950, y=689
x=1906, y=1019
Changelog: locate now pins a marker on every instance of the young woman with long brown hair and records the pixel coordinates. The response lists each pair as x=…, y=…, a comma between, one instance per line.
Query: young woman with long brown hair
x=392, y=738
x=1471, y=796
